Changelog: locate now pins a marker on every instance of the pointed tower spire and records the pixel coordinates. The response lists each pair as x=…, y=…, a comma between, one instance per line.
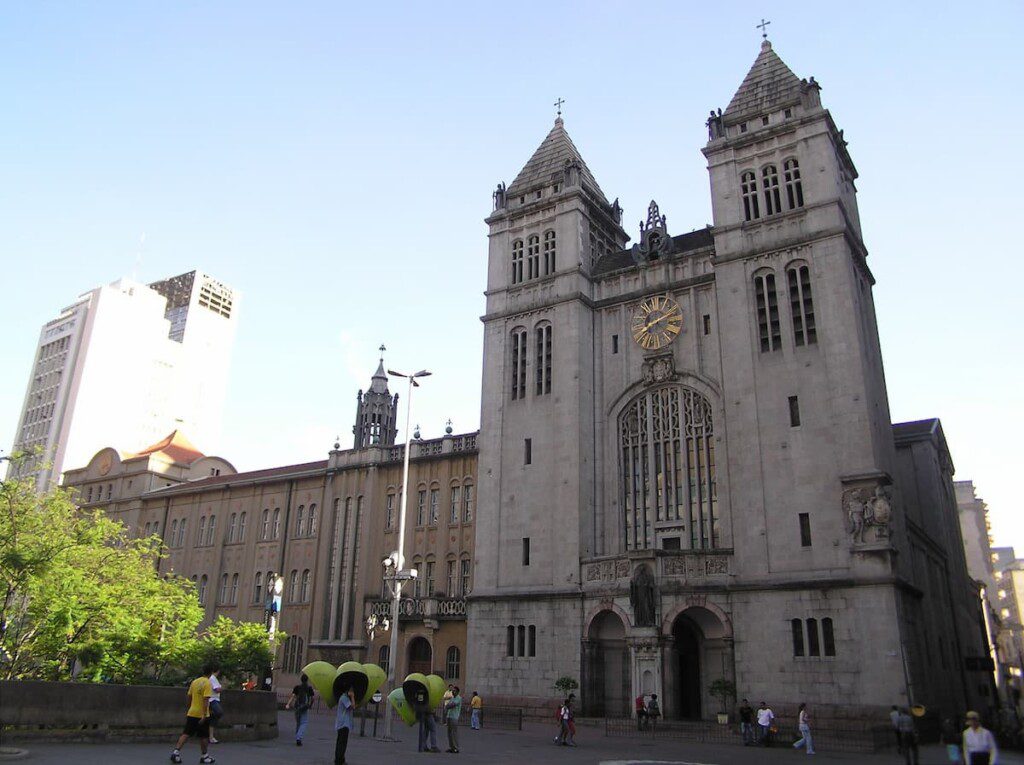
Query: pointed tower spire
x=769, y=85
x=376, y=412
x=556, y=160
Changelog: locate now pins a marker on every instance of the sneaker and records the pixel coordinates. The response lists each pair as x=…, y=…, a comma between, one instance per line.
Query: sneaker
x=175, y=756
x=206, y=758
x=298, y=742
x=213, y=740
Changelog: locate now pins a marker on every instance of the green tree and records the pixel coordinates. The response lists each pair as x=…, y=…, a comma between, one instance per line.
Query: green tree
x=81, y=597
x=239, y=648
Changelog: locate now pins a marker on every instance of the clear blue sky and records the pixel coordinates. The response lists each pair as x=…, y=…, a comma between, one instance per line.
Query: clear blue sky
x=335, y=162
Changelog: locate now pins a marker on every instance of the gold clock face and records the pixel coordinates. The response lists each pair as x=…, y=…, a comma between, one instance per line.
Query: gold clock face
x=656, y=322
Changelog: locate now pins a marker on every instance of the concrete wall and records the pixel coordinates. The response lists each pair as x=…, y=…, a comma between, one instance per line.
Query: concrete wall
x=35, y=709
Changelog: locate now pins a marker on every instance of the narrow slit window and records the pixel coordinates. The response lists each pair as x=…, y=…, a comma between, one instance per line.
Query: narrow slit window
x=542, y=347
x=801, y=305
x=526, y=551
x=772, y=194
x=813, y=648
x=828, y=637
x=527, y=451
x=531, y=643
x=805, y=529
x=521, y=640
x=707, y=324
x=615, y=343
x=794, y=411
x=518, y=364
x=510, y=641
x=751, y=210
x=798, y=636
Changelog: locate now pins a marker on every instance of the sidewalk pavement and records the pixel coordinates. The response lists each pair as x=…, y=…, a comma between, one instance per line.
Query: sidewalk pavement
x=532, y=745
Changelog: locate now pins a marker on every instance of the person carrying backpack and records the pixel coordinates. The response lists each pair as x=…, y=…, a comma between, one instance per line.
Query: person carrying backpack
x=301, y=700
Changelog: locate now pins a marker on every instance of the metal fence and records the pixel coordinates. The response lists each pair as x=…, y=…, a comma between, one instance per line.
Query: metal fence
x=829, y=738
x=506, y=718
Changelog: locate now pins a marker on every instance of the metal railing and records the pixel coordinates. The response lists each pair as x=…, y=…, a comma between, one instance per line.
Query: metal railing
x=832, y=738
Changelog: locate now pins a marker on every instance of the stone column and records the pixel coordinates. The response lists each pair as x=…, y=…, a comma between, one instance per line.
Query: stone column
x=646, y=663
x=670, y=678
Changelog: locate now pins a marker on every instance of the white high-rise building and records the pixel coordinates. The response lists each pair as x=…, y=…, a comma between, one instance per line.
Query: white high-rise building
x=126, y=364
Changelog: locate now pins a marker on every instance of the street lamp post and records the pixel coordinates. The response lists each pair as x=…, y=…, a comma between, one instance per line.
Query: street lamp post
x=398, y=557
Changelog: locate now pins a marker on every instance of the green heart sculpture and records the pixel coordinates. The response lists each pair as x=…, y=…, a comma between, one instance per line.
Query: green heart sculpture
x=331, y=682
x=397, y=700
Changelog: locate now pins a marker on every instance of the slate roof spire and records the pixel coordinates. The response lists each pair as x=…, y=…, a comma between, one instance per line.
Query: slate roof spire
x=769, y=85
x=549, y=164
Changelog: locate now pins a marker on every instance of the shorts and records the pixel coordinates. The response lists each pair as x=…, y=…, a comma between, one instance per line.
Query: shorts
x=196, y=727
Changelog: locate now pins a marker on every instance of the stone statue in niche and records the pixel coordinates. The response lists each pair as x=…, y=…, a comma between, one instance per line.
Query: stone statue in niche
x=641, y=597
x=864, y=511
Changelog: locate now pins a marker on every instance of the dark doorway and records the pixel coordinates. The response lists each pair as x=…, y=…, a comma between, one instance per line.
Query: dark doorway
x=606, y=668
x=687, y=637
x=420, y=656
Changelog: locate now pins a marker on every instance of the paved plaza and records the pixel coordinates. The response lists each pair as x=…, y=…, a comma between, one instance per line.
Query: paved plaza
x=532, y=745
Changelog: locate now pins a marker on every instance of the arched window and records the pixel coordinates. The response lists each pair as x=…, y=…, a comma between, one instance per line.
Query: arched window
x=311, y=521
x=174, y=533
x=389, y=512
x=257, y=588
x=751, y=211
x=201, y=536
x=300, y=516
x=668, y=467
x=265, y=530
x=549, y=252
x=521, y=640
x=452, y=663
x=797, y=628
x=429, y=582
x=517, y=261
x=304, y=587
x=181, y=532
x=293, y=586
x=241, y=527
x=813, y=648
x=223, y=598
x=449, y=576
x=421, y=506
x=232, y=527
x=467, y=503
x=794, y=189
x=518, y=363
x=233, y=600
x=435, y=504
x=453, y=512
x=510, y=641
x=801, y=304
x=828, y=637
x=542, y=337
x=772, y=195
x=203, y=581
x=210, y=529
x=767, y=303
x=465, y=586
x=276, y=529
x=533, y=257
x=291, y=660
x=383, y=657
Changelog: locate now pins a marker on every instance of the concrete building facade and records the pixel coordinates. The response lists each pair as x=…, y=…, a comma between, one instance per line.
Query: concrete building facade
x=687, y=466
x=126, y=364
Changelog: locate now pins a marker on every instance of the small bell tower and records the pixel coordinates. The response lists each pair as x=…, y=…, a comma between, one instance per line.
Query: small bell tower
x=376, y=412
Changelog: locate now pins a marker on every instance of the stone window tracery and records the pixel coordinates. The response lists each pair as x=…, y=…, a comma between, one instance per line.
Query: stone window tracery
x=533, y=257
x=517, y=261
x=801, y=304
x=767, y=303
x=542, y=347
x=794, y=188
x=751, y=210
x=772, y=195
x=518, y=363
x=549, y=252
x=668, y=467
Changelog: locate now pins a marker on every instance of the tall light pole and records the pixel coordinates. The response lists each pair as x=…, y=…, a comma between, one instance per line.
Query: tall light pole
x=398, y=557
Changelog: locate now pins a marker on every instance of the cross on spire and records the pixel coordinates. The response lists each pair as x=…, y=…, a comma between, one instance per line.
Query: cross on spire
x=558, y=105
x=382, y=349
x=763, y=26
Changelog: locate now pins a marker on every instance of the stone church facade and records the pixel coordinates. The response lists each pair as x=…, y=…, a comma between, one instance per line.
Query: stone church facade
x=687, y=466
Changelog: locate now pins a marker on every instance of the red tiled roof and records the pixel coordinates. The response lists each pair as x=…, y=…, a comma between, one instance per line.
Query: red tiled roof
x=175, y=446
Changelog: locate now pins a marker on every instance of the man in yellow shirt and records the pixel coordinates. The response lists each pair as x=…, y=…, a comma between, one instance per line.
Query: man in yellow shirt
x=197, y=719
x=476, y=704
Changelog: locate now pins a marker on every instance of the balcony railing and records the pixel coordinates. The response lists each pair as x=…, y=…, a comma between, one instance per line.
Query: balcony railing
x=417, y=609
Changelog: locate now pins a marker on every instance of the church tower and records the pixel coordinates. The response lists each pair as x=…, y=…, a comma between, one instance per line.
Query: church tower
x=376, y=412
x=536, y=471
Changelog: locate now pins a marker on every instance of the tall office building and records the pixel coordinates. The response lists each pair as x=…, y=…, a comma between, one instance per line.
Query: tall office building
x=126, y=363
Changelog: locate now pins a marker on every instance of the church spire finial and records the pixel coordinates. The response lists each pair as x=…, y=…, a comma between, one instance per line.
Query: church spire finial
x=763, y=26
x=558, y=105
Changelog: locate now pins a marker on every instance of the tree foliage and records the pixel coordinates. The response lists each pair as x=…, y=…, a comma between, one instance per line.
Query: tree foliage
x=82, y=599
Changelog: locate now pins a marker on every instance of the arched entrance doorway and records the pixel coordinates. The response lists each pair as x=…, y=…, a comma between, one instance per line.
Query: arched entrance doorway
x=699, y=656
x=606, y=667
x=421, y=658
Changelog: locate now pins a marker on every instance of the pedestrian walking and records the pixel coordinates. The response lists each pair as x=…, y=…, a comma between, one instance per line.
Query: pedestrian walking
x=804, y=724
x=908, y=736
x=571, y=703
x=343, y=724
x=641, y=713
x=476, y=704
x=747, y=723
x=894, y=719
x=765, y=717
x=197, y=718
x=563, y=723
x=653, y=711
x=979, y=743
x=215, y=709
x=452, y=710
x=300, y=701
